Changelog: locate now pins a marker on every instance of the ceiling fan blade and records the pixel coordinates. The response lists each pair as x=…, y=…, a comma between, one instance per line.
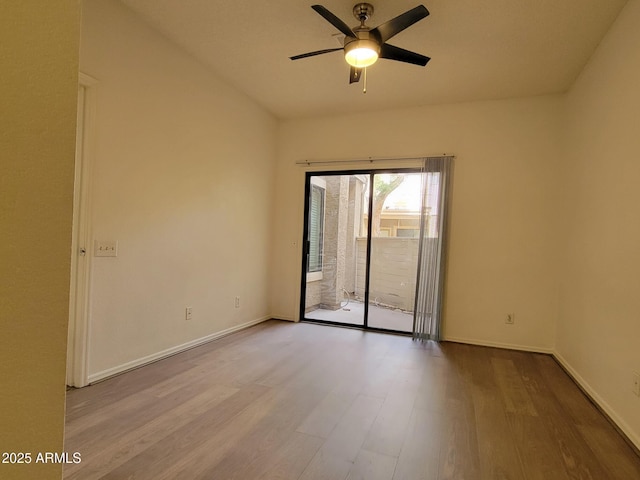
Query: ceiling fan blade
x=401, y=55
x=398, y=24
x=333, y=20
x=354, y=75
x=313, y=54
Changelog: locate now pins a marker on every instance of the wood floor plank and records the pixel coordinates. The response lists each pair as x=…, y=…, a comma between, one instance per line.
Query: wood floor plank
x=372, y=466
x=302, y=401
x=325, y=416
x=292, y=458
x=379, y=383
x=124, y=445
x=418, y=459
x=498, y=455
x=432, y=395
x=288, y=367
x=610, y=449
x=388, y=431
x=541, y=457
x=326, y=466
x=514, y=393
x=178, y=389
x=84, y=400
x=335, y=458
x=570, y=398
x=561, y=429
x=347, y=437
x=349, y=380
x=254, y=452
x=183, y=447
x=459, y=454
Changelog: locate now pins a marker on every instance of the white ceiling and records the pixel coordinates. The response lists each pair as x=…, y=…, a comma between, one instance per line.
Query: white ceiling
x=479, y=49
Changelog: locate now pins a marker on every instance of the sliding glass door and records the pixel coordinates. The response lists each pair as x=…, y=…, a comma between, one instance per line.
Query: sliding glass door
x=373, y=248
x=335, y=248
x=395, y=232
x=360, y=268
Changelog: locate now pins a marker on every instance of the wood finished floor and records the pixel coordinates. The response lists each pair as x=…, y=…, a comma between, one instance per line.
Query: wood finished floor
x=302, y=401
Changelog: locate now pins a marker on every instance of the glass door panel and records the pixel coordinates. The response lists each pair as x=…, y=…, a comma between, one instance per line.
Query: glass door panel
x=395, y=232
x=336, y=248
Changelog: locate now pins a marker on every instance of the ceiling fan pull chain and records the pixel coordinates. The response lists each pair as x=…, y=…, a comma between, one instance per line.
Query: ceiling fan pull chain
x=364, y=85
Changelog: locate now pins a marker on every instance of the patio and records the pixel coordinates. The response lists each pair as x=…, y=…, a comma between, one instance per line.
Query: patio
x=353, y=314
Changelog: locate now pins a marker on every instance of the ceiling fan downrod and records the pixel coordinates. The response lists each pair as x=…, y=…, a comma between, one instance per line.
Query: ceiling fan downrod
x=363, y=12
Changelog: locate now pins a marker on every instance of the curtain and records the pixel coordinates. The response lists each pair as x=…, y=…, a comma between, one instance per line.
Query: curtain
x=427, y=317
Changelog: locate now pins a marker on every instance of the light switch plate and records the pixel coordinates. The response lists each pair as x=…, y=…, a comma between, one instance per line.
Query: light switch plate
x=106, y=248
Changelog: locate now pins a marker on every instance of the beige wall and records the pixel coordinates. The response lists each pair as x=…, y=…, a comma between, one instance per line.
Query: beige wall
x=183, y=168
x=38, y=91
x=503, y=251
x=599, y=327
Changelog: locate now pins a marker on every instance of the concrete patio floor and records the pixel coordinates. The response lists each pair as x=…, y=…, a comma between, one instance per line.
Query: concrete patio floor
x=353, y=314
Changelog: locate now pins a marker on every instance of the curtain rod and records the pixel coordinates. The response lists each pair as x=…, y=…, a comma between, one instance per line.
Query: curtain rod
x=309, y=163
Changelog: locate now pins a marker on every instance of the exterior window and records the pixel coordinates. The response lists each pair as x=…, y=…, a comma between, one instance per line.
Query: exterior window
x=316, y=227
x=408, y=232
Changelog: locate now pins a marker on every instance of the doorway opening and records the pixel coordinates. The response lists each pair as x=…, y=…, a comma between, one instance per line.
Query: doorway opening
x=362, y=233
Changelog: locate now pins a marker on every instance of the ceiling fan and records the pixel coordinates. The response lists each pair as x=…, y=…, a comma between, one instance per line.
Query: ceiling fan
x=363, y=45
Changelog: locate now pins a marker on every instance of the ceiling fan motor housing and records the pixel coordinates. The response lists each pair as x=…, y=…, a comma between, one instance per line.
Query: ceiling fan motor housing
x=364, y=40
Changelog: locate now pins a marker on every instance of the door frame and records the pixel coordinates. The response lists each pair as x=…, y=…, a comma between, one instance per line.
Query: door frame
x=80, y=282
x=370, y=172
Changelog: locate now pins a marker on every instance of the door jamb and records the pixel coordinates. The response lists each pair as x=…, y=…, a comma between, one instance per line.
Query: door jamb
x=79, y=298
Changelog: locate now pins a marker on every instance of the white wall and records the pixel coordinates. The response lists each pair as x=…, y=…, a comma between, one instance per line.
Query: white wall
x=599, y=327
x=183, y=169
x=503, y=250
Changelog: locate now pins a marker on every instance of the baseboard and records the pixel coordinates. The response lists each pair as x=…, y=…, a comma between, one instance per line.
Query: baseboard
x=508, y=346
x=286, y=318
x=110, y=372
x=632, y=437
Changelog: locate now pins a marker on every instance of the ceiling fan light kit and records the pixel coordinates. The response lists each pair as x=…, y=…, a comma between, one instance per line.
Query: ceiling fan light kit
x=361, y=53
x=364, y=45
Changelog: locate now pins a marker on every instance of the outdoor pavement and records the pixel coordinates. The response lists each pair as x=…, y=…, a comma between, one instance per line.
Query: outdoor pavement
x=379, y=317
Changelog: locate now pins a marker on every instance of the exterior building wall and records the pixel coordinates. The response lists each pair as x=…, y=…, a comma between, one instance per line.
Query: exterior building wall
x=393, y=271
x=313, y=295
x=356, y=191
x=335, y=240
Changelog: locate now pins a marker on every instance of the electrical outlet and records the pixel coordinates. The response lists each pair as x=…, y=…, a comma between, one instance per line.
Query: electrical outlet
x=188, y=313
x=237, y=302
x=636, y=383
x=510, y=319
